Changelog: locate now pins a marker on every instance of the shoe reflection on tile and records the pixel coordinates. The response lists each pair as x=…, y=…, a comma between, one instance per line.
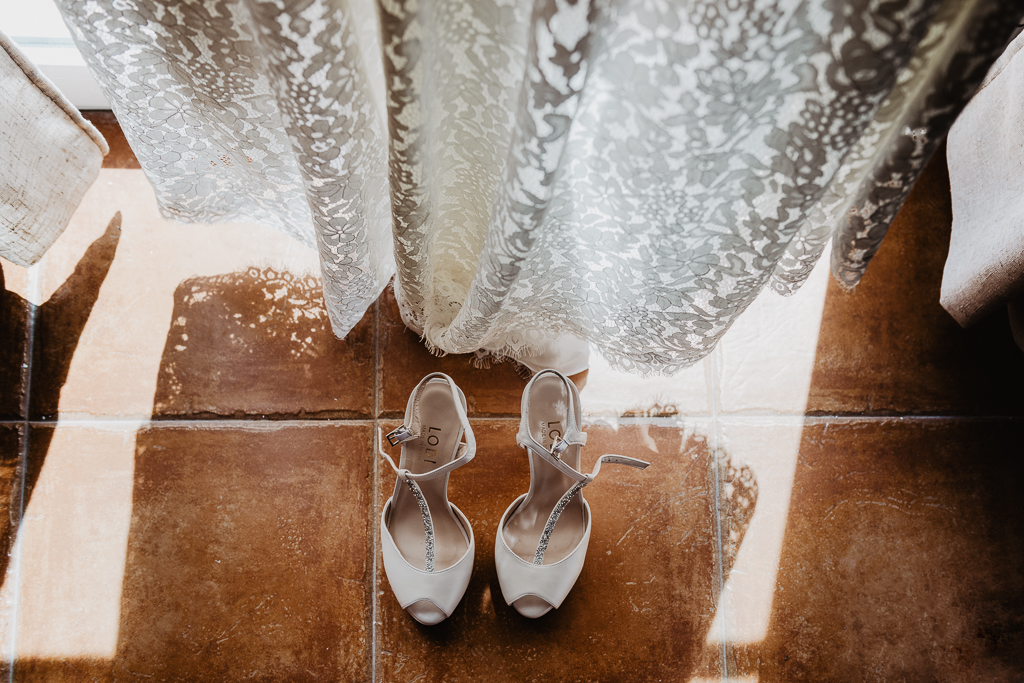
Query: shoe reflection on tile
x=643, y=602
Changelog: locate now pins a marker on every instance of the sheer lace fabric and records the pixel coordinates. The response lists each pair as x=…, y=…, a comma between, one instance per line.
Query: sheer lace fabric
x=256, y=112
x=631, y=172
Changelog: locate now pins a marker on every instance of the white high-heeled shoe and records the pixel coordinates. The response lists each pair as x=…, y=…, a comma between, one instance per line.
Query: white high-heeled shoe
x=427, y=542
x=542, y=538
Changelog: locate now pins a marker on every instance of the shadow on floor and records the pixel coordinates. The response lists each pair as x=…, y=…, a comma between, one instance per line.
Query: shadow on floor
x=903, y=558
x=61, y=320
x=249, y=548
x=250, y=543
x=250, y=553
x=258, y=343
x=242, y=334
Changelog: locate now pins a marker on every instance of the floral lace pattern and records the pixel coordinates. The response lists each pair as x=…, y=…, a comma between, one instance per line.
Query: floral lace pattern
x=633, y=172
x=256, y=111
x=880, y=169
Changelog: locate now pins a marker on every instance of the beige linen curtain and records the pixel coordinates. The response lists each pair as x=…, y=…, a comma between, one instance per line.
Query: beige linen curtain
x=49, y=157
x=985, y=267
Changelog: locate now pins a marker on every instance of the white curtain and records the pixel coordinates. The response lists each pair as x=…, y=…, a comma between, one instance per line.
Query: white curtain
x=629, y=172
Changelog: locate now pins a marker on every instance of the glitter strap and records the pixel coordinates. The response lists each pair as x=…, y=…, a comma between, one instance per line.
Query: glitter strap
x=549, y=526
x=410, y=431
x=428, y=522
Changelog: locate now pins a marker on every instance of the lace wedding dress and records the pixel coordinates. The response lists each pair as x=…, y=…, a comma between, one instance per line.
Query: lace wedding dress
x=628, y=172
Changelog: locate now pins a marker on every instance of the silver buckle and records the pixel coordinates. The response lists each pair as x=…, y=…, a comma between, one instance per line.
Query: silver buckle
x=398, y=435
x=558, y=447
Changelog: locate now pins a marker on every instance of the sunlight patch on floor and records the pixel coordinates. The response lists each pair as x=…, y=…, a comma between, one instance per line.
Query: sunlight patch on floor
x=763, y=365
x=611, y=393
x=73, y=545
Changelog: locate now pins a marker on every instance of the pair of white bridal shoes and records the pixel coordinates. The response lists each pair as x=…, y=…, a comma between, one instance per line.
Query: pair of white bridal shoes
x=542, y=538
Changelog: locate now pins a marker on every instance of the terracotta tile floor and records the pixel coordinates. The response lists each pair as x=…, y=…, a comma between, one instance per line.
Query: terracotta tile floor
x=187, y=467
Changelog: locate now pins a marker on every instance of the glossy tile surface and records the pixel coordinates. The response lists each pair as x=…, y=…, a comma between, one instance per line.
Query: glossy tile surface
x=901, y=556
x=642, y=606
x=833, y=493
x=198, y=554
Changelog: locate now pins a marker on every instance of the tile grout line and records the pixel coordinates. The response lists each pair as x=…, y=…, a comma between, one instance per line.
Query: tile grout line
x=713, y=389
x=372, y=498
x=588, y=420
x=34, y=294
x=255, y=425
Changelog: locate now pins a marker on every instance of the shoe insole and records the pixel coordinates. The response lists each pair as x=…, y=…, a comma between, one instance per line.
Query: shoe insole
x=549, y=408
x=440, y=433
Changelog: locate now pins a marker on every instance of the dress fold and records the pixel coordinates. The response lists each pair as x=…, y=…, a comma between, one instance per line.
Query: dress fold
x=628, y=173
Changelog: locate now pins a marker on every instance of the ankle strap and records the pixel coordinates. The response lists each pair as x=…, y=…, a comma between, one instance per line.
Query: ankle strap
x=615, y=460
x=572, y=436
x=408, y=432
